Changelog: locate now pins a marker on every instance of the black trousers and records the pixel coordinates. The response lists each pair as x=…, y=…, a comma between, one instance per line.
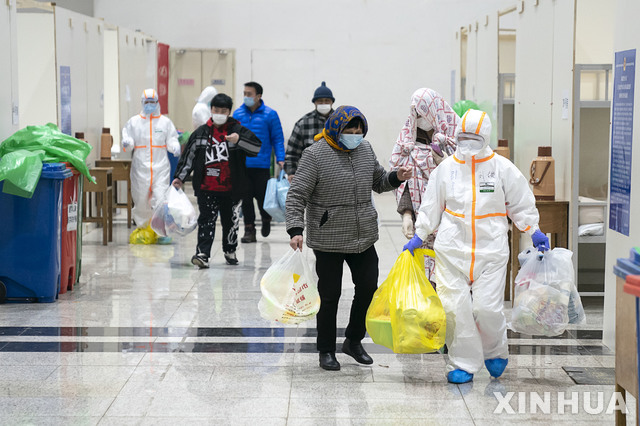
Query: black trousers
x=210, y=206
x=257, y=187
x=364, y=273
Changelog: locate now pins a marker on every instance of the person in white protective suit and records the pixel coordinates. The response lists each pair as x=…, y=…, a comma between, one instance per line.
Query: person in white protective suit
x=427, y=137
x=468, y=199
x=150, y=135
x=201, y=112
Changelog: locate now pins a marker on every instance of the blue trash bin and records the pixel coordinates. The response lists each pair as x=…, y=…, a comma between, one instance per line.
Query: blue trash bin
x=30, y=239
x=173, y=161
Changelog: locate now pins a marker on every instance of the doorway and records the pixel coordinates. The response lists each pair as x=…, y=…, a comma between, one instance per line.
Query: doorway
x=190, y=71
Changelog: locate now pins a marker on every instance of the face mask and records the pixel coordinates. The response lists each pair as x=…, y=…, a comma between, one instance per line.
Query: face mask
x=249, y=101
x=423, y=124
x=470, y=146
x=219, y=119
x=323, y=109
x=149, y=108
x=351, y=141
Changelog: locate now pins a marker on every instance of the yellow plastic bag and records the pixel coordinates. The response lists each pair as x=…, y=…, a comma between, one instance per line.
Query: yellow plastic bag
x=406, y=314
x=143, y=235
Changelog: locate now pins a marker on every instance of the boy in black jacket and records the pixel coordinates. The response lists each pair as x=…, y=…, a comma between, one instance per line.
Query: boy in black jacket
x=216, y=154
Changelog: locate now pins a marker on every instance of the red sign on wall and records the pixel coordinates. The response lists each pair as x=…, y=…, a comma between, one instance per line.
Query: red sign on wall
x=163, y=77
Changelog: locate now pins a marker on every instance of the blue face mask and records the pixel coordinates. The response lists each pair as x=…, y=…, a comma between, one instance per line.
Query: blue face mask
x=351, y=141
x=149, y=108
x=249, y=101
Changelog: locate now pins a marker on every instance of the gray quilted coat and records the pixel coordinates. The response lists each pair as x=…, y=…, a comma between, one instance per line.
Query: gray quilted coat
x=333, y=189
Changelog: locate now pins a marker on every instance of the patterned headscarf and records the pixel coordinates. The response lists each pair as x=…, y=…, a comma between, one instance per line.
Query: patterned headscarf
x=336, y=123
x=431, y=106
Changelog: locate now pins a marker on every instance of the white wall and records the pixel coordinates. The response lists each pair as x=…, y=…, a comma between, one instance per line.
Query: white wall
x=544, y=71
x=9, y=101
x=37, y=69
x=372, y=53
x=626, y=36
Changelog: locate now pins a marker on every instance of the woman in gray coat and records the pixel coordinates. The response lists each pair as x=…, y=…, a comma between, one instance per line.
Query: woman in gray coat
x=333, y=186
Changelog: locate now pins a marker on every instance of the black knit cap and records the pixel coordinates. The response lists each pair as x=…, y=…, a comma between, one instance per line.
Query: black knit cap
x=323, y=92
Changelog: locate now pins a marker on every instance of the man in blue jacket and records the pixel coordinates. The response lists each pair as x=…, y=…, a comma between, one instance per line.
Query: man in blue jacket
x=265, y=124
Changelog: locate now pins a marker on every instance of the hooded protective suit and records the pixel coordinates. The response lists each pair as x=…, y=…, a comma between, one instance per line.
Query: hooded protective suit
x=468, y=199
x=428, y=111
x=151, y=136
x=202, y=110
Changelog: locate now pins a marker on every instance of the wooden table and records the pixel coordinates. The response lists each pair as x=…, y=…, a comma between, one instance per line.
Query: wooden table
x=554, y=220
x=103, y=188
x=626, y=348
x=121, y=172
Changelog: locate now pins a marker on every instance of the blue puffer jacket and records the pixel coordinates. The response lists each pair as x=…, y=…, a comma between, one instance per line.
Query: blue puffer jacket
x=265, y=124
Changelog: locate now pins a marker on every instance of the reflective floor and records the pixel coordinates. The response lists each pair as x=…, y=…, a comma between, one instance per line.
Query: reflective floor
x=146, y=338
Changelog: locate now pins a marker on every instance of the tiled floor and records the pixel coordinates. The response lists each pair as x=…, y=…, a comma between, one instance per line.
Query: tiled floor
x=148, y=339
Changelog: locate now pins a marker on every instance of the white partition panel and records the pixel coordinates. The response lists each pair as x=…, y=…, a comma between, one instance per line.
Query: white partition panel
x=594, y=31
x=543, y=73
x=79, y=46
x=135, y=56
x=454, y=91
x=9, y=102
x=95, y=84
x=562, y=95
x=112, y=85
x=487, y=70
x=626, y=36
x=472, y=61
x=37, y=69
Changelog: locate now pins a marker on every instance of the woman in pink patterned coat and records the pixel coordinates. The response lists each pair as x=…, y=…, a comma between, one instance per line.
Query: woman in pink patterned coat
x=425, y=140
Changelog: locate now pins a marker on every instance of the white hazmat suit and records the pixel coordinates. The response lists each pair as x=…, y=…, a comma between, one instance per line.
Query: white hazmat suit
x=202, y=110
x=468, y=199
x=150, y=135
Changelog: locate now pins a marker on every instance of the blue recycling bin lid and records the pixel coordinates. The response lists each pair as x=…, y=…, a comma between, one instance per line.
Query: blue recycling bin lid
x=630, y=266
x=55, y=171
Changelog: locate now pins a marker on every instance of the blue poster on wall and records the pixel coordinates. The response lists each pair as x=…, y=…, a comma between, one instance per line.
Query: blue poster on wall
x=621, y=140
x=65, y=100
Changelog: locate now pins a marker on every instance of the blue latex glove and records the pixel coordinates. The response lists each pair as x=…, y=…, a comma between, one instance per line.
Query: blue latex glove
x=540, y=240
x=413, y=244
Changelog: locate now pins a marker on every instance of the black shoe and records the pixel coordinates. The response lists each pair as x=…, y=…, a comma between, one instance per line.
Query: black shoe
x=231, y=258
x=328, y=361
x=200, y=260
x=249, y=234
x=356, y=351
x=266, y=228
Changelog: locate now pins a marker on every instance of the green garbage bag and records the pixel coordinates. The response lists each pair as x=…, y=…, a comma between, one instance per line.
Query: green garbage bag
x=21, y=172
x=52, y=145
x=183, y=137
x=462, y=106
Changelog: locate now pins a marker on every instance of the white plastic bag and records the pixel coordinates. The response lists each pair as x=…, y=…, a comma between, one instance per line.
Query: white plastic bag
x=545, y=296
x=275, y=197
x=289, y=290
x=174, y=214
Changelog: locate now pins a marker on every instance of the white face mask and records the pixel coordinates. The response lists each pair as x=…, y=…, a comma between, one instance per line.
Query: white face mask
x=423, y=124
x=470, y=144
x=323, y=109
x=219, y=119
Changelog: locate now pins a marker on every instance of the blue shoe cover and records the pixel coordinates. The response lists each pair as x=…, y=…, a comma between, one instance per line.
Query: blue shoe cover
x=164, y=240
x=459, y=376
x=496, y=366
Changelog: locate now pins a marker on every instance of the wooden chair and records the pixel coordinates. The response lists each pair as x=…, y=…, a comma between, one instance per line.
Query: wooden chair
x=121, y=172
x=103, y=190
